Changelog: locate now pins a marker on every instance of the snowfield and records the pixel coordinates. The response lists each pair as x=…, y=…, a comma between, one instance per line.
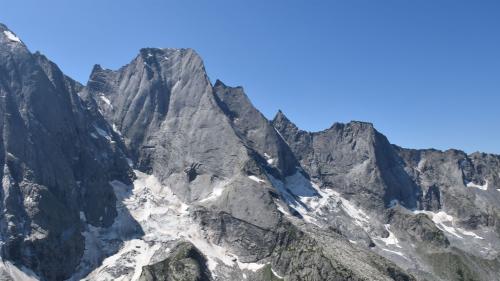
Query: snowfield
x=163, y=218
x=11, y=36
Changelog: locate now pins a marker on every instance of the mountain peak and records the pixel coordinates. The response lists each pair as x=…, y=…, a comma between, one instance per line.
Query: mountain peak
x=219, y=83
x=280, y=115
x=281, y=120
x=166, y=53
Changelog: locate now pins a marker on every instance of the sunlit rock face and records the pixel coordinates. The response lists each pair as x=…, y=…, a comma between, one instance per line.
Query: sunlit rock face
x=151, y=172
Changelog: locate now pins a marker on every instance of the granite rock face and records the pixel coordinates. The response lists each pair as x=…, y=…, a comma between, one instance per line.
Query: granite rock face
x=150, y=172
x=57, y=155
x=353, y=158
x=185, y=263
x=439, y=203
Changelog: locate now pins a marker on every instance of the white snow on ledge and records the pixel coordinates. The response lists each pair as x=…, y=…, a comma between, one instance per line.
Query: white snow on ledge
x=216, y=192
x=310, y=201
x=391, y=239
x=11, y=36
x=269, y=159
x=256, y=179
x=276, y=274
x=446, y=223
x=17, y=273
x=105, y=100
x=482, y=187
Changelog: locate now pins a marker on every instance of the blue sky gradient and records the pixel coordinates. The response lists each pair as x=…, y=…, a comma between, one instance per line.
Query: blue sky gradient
x=426, y=73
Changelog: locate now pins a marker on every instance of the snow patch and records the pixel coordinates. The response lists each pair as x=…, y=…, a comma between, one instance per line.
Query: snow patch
x=256, y=179
x=391, y=240
x=308, y=199
x=17, y=273
x=446, y=223
x=276, y=274
x=252, y=266
x=105, y=100
x=115, y=128
x=269, y=159
x=11, y=36
x=482, y=187
x=360, y=217
x=216, y=192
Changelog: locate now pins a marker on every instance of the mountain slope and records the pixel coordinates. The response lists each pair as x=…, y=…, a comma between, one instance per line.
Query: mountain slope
x=216, y=152
x=150, y=172
x=56, y=164
x=435, y=205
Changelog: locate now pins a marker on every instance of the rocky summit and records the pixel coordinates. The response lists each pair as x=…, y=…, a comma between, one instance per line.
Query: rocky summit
x=153, y=172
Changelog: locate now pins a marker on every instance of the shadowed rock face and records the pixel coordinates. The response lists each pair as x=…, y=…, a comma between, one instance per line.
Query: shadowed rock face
x=462, y=185
x=221, y=193
x=255, y=130
x=55, y=164
x=353, y=158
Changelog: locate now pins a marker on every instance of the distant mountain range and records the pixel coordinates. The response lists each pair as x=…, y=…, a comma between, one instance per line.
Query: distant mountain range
x=150, y=172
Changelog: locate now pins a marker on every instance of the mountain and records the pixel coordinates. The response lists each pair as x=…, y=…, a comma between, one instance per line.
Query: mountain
x=58, y=154
x=150, y=172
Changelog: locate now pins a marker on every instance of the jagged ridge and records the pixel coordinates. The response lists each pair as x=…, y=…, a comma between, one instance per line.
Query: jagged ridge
x=257, y=199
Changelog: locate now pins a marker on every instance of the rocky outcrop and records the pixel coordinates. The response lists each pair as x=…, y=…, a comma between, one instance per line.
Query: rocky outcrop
x=256, y=131
x=185, y=263
x=460, y=184
x=354, y=159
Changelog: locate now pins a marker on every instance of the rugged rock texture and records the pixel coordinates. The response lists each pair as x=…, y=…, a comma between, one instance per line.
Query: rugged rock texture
x=57, y=155
x=463, y=185
x=164, y=106
x=419, y=228
x=353, y=158
x=185, y=263
x=319, y=255
x=456, y=192
x=255, y=130
x=219, y=192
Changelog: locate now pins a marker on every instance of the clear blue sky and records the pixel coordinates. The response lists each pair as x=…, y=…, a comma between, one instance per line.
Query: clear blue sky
x=425, y=72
